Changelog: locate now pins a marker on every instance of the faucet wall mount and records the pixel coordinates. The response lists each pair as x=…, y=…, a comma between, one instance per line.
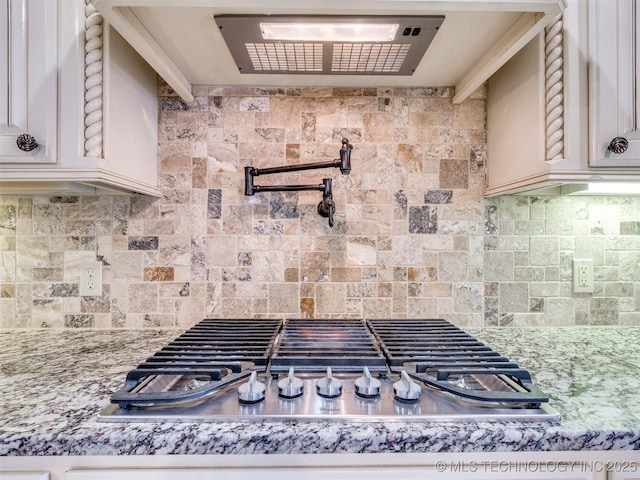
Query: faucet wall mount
x=326, y=207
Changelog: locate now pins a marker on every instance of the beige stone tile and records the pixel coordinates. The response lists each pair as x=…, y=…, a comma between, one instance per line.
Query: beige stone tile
x=8, y=313
x=330, y=298
x=509, y=255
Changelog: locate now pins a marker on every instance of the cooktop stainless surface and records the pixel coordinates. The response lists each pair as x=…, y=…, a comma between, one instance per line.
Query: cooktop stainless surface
x=319, y=370
x=431, y=406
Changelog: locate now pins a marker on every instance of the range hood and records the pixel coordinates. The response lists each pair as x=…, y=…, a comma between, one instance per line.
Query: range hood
x=328, y=45
x=437, y=43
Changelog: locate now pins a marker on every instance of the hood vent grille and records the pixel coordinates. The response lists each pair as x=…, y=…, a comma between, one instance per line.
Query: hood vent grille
x=400, y=56
x=369, y=57
x=290, y=57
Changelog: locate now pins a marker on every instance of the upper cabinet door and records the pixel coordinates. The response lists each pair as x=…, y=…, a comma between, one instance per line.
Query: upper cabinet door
x=28, y=81
x=614, y=82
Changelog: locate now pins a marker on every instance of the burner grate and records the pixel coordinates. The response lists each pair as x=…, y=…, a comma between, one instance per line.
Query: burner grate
x=441, y=355
x=411, y=340
x=312, y=346
x=228, y=340
x=215, y=351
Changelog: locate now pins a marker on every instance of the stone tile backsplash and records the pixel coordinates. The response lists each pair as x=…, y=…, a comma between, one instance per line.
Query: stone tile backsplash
x=413, y=236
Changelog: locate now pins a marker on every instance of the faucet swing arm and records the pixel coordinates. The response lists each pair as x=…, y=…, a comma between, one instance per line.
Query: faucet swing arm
x=326, y=207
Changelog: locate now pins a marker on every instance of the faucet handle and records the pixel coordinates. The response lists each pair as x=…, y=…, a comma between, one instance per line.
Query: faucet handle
x=327, y=207
x=345, y=157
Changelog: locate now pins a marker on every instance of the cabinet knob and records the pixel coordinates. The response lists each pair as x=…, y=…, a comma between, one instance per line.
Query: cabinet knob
x=618, y=145
x=26, y=142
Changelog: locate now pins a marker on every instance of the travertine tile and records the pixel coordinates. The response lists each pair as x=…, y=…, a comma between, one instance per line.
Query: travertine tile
x=514, y=297
x=7, y=219
x=543, y=250
x=413, y=235
x=330, y=298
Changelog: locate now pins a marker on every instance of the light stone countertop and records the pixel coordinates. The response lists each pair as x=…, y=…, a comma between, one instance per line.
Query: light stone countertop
x=53, y=383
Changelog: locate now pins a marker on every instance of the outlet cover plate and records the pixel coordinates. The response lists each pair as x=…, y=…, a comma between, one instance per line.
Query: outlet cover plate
x=582, y=275
x=91, y=279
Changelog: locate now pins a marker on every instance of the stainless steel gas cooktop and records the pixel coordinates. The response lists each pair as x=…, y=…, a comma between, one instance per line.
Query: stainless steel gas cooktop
x=319, y=370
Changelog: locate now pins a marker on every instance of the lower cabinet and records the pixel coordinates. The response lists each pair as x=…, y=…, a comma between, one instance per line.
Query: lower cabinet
x=24, y=475
x=454, y=471
x=288, y=473
x=622, y=475
x=588, y=465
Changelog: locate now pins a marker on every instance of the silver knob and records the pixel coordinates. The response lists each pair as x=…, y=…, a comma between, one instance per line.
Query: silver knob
x=366, y=385
x=405, y=389
x=252, y=391
x=618, y=145
x=328, y=386
x=26, y=142
x=290, y=387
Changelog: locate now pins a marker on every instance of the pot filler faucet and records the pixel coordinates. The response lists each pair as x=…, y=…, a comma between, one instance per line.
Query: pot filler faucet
x=326, y=207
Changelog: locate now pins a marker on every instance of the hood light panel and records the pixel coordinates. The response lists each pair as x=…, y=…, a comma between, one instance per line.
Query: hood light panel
x=328, y=45
x=330, y=32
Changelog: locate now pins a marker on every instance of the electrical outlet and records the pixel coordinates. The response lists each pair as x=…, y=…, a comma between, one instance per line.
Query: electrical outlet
x=583, y=276
x=91, y=279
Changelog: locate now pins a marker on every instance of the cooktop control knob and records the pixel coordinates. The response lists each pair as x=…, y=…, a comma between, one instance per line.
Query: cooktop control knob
x=328, y=386
x=366, y=385
x=405, y=389
x=252, y=391
x=291, y=386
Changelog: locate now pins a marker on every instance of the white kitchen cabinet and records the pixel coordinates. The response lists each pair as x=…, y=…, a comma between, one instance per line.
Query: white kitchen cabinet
x=548, y=131
x=48, y=88
x=28, y=81
x=577, y=465
x=459, y=471
x=278, y=473
x=623, y=476
x=614, y=81
x=24, y=475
